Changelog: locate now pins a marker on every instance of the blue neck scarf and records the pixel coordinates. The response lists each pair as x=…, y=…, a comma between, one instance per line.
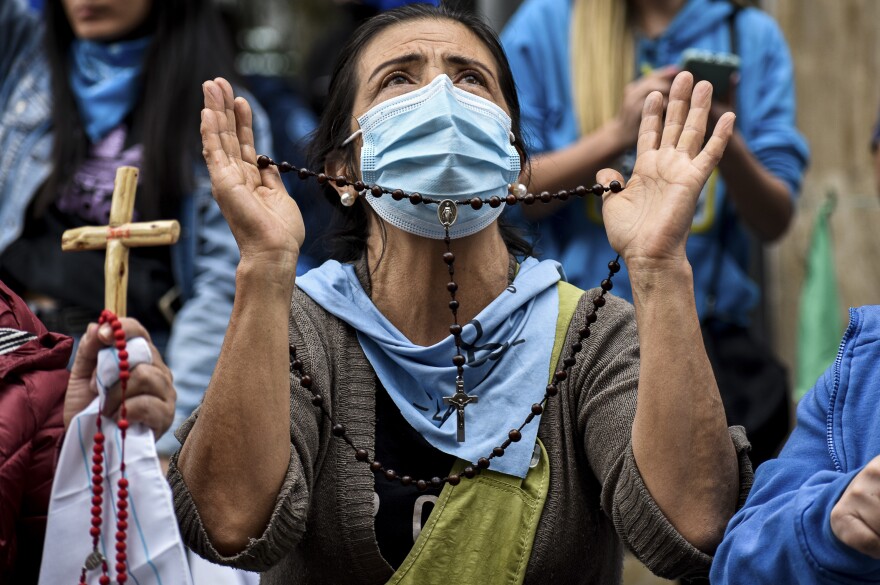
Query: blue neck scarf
x=106, y=82
x=507, y=346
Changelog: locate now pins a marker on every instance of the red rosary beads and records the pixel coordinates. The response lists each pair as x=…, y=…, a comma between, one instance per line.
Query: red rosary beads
x=95, y=558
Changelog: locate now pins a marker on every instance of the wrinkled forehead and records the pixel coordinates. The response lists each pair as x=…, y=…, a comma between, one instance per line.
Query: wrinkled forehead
x=435, y=39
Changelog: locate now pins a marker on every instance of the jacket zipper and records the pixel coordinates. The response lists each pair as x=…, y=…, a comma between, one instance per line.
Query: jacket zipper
x=829, y=421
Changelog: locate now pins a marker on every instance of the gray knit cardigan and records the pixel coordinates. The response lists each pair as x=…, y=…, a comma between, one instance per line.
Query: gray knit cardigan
x=322, y=530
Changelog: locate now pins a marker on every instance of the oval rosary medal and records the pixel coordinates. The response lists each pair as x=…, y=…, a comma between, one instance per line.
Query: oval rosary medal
x=447, y=212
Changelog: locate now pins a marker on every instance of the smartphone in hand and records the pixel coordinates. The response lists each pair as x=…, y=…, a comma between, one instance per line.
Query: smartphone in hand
x=716, y=68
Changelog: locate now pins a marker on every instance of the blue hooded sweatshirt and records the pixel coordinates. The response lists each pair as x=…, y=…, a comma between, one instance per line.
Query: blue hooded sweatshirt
x=783, y=533
x=537, y=44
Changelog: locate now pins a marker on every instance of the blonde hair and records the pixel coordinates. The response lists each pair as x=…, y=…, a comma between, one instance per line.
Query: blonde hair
x=602, y=60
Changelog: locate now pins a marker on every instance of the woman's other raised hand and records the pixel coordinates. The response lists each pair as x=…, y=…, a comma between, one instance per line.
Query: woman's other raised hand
x=264, y=219
x=648, y=223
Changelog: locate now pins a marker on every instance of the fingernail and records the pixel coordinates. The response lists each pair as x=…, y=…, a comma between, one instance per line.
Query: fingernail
x=105, y=333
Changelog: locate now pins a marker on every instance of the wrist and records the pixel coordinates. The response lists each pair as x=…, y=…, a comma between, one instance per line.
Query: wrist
x=672, y=274
x=616, y=135
x=267, y=275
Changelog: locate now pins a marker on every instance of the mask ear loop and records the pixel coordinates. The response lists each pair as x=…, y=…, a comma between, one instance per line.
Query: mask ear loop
x=357, y=133
x=509, y=133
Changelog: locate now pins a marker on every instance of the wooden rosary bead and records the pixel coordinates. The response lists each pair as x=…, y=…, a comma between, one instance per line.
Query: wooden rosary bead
x=296, y=365
x=514, y=435
x=338, y=430
x=453, y=479
x=415, y=198
x=510, y=199
x=376, y=465
x=455, y=329
x=576, y=347
x=494, y=201
x=317, y=400
x=598, y=190
x=545, y=196
x=397, y=194
x=552, y=390
x=476, y=203
x=483, y=463
x=453, y=305
x=359, y=186
x=304, y=174
x=469, y=472
x=361, y=455
x=390, y=474
x=498, y=452
x=607, y=285
x=405, y=480
x=285, y=167
x=599, y=302
x=615, y=186
x=321, y=178
x=569, y=362
x=436, y=482
x=263, y=161
x=376, y=190
x=580, y=191
x=341, y=181
x=451, y=287
x=528, y=199
x=458, y=360
x=614, y=266
x=560, y=375
x=591, y=317
x=305, y=381
x=421, y=485
x=562, y=195
x=537, y=409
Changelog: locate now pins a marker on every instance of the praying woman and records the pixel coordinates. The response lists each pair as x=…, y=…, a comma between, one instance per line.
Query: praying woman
x=435, y=405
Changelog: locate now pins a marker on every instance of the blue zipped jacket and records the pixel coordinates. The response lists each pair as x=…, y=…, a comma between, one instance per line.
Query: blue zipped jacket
x=783, y=533
x=203, y=261
x=537, y=42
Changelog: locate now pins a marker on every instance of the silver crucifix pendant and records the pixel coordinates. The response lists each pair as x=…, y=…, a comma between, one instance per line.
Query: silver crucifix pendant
x=460, y=399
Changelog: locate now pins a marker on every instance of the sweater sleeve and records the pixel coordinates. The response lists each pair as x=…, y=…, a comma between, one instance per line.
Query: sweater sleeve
x=785, y=527
x=308, y=437
x=606, y=410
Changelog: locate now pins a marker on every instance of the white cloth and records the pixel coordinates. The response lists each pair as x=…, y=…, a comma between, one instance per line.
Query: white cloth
x=156, y=555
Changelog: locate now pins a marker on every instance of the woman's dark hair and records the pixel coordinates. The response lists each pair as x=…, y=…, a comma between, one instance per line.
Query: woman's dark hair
x=346, y=239
x=189, y=46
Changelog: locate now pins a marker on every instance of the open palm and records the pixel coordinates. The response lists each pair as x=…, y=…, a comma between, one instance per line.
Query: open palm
x=650, y=220
x=264, y=219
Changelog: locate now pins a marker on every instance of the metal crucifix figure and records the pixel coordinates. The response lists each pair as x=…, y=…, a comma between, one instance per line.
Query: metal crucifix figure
x=460, y=399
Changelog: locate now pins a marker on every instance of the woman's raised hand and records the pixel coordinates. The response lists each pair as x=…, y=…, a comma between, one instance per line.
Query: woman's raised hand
x=648, y=223
x=264, y=219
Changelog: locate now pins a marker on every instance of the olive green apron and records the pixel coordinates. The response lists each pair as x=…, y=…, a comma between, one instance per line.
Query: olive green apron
x=482, y=530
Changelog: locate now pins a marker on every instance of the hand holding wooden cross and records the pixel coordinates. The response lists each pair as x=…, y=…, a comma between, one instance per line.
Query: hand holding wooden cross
x=118, y=237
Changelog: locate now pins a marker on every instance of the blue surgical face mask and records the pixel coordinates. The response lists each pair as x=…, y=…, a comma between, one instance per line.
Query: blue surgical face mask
x=442, y=142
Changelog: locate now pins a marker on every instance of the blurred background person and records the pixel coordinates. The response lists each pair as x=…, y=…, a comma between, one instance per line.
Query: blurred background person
x=583, y=69
x=85, y=88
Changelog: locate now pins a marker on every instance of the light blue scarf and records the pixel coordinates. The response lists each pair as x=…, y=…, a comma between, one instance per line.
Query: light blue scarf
x=106, y=82
x=507, y=346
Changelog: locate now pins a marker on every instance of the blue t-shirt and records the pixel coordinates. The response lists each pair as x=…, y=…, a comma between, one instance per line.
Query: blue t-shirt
x=537, y=44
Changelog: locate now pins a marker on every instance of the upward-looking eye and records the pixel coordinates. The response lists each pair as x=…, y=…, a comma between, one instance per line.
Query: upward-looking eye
x=470, y=78
x=396, y=78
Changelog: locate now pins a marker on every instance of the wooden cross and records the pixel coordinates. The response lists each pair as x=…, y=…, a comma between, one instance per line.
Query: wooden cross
x=460, y=399
x=118, y=237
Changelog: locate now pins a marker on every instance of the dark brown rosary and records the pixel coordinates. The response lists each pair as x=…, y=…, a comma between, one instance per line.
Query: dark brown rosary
x=447, y=213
